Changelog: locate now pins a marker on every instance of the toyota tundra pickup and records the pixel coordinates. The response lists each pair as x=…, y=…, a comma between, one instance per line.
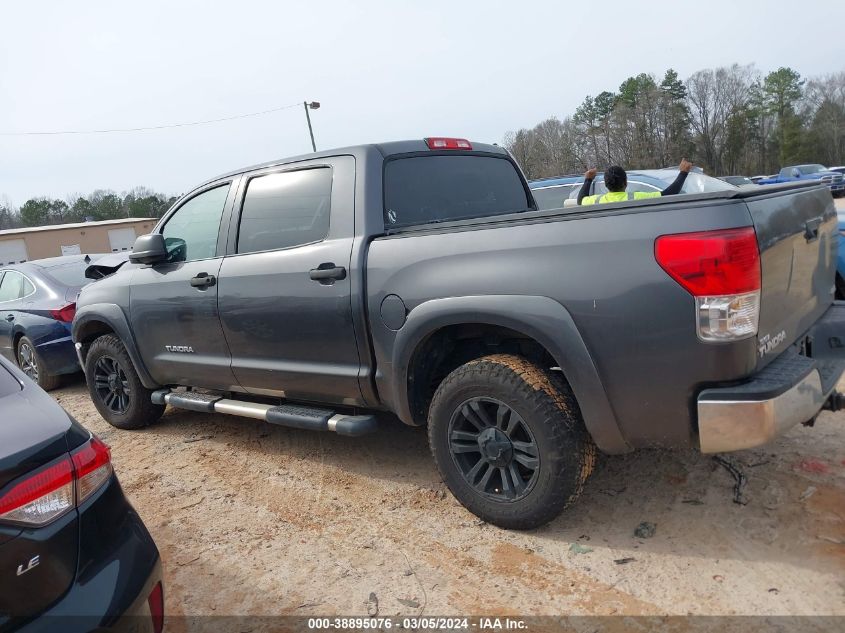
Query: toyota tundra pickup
x=419, y=278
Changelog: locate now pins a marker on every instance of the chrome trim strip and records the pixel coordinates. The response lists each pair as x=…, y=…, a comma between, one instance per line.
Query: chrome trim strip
x=243, y=409
x=731, y=425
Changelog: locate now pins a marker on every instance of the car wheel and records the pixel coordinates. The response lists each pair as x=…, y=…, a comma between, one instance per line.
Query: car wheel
x=840, y=287
x=33, y=366
x=115, y=387
x=509, y=441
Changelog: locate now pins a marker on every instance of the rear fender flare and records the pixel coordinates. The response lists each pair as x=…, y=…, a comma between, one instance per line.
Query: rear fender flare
x=543, y=319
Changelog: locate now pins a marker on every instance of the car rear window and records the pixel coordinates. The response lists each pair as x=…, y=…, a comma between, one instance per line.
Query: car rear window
x=436, y=188
x=69, y=274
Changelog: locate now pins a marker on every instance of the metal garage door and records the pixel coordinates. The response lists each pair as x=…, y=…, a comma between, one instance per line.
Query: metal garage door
x=12, y=252
x=121, y=239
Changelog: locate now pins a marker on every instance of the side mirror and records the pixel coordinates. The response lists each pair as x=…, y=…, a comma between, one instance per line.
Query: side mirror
x=149, y=249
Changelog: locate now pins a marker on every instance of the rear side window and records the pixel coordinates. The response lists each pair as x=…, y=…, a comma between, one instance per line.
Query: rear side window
x=285, y=209
x=11, y=286
x=424, y=189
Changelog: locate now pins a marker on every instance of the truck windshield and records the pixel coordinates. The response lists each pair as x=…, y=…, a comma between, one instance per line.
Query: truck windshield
x=437, y=188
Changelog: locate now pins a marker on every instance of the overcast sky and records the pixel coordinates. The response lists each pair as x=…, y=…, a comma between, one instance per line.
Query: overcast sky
x=382, y=71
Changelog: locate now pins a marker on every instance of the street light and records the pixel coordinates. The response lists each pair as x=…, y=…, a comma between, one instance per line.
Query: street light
x=313, y=106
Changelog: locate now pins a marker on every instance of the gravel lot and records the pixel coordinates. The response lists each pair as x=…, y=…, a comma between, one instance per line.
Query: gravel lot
x=256, y=519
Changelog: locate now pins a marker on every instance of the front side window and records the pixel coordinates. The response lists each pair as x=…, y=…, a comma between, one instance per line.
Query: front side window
x=191, y=233
x=285, y=209
x=11, y=286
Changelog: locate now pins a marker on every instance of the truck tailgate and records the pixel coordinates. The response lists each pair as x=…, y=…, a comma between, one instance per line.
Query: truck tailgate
x=797, y=233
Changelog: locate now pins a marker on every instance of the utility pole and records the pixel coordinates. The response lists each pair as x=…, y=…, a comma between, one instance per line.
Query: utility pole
x=310, y=106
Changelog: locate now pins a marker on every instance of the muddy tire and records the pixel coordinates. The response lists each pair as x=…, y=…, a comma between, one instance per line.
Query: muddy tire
x=115, y=388
x=509, y=441
x=32, y=365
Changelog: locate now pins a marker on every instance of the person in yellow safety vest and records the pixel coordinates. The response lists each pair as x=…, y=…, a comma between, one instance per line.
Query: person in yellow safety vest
x=616, y=181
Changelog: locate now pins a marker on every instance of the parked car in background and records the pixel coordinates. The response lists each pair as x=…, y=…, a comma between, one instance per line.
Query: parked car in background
x=737, y=181
x=37, y=304
x=74, y=554
x=834, y=180
x=547, y=192
x=550, y=193
x=756, y=179
x=839, y=169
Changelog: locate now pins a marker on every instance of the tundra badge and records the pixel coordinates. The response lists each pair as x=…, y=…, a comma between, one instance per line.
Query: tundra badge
x=768, y=343
x=182, y=349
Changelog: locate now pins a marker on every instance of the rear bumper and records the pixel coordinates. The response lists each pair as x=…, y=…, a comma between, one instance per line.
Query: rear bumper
x=789, y=391
x=119, y=567
x=58, y=355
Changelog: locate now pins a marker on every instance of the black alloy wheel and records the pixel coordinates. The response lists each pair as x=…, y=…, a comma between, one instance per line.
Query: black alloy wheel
x=111, y=384
x=494, y=449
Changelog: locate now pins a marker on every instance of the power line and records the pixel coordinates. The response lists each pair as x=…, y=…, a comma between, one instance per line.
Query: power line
x=152, y=127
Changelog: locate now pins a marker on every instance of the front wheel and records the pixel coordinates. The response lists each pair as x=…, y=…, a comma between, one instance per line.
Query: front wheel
x=509, y=441
x=115, y=387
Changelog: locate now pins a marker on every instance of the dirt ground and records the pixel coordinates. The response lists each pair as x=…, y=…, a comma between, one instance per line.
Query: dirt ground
x=256, y=519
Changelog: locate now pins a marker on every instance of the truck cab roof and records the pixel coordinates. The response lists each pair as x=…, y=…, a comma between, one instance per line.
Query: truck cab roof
x=386, y=150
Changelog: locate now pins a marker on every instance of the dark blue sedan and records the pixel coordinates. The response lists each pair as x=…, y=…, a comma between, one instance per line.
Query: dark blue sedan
x=37, y=305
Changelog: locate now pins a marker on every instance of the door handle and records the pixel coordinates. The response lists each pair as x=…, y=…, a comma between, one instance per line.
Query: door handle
x=203, y=280
x=10, y=317
x=328, y=273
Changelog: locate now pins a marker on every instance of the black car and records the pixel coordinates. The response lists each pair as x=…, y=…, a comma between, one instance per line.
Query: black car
x=74, y=554
x=37, y=304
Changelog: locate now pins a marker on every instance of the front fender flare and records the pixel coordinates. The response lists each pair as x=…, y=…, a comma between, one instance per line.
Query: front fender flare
x=112, y=315
x=543, y=319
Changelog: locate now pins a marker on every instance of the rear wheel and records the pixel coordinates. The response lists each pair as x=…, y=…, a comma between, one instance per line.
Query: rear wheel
x=33, y=366
x=840, y=287
x=115, y=387
x=509, y=441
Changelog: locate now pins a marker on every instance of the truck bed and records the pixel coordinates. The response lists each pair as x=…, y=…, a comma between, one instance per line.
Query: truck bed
x=636, y=322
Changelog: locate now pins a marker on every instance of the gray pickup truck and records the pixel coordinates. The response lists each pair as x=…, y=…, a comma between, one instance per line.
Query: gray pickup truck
x=419, y=278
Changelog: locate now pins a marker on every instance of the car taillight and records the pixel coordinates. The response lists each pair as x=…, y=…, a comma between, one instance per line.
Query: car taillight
x=92, y=467
x=47, y=493
x=41, y=496
x=447, y=143
x=156, y=604
x=66, y=314
x=721, y=269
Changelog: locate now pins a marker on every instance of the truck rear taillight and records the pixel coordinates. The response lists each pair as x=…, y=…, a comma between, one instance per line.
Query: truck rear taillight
x=47, y=493
x=448, y=143
x=721, y=269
